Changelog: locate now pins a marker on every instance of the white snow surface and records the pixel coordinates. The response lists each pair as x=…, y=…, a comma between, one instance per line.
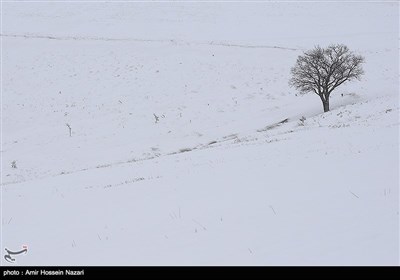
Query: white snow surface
x=217, y=180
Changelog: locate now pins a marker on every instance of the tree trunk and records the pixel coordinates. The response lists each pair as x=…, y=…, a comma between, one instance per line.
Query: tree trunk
x=326, y=105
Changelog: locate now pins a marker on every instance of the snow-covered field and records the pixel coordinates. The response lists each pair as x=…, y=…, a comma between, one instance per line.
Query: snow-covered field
x=217, y=180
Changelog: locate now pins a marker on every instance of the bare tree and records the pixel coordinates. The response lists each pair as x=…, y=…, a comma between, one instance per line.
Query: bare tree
x=322, y=70
x=70, y=129
x=157, y=118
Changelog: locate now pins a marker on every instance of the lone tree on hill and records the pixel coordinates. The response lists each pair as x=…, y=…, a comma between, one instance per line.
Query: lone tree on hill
x=322, y=70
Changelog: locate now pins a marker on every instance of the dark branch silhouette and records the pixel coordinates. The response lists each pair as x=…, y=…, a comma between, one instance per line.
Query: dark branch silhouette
x=322, y=70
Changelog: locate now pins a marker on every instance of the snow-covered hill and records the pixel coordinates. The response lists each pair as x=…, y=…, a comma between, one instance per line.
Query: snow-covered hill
x=186, y=146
